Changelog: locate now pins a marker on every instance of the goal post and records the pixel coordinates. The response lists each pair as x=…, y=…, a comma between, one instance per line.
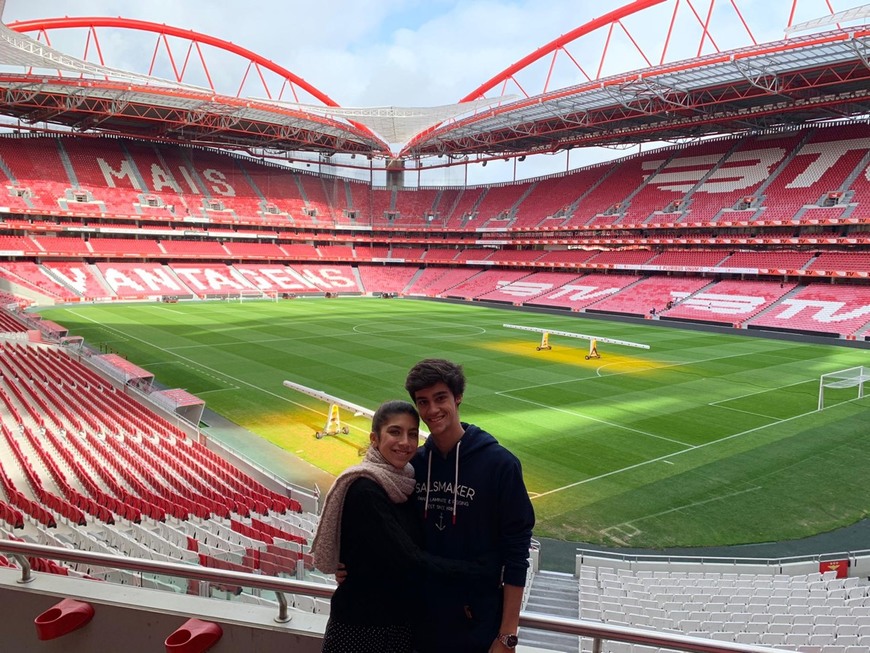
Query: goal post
x=258, y=295
x=853, y=377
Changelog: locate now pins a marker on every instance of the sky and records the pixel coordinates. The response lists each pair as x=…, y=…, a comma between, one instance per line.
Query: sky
x=417, y=53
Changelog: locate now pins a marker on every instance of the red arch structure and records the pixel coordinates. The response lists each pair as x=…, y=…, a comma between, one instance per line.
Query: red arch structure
x=195, y=40
x=693, y=80
x=707, y=74
x=280, y=123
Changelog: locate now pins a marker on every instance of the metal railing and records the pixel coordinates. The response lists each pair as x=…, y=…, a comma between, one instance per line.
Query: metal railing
x=595, y=630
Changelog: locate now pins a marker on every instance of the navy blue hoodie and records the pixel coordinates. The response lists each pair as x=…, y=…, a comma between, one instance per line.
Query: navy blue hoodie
x=473, y=503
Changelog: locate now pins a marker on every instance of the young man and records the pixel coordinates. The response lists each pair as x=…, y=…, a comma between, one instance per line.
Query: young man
x=473, y=503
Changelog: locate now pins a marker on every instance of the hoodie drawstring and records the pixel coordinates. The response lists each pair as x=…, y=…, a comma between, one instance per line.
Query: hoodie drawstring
x=456, y=482
x=428, y=485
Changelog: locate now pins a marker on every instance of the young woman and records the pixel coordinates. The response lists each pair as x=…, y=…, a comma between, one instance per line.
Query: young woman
x=369, y=526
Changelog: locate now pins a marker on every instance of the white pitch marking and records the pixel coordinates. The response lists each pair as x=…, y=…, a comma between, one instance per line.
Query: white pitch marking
x=672, y=455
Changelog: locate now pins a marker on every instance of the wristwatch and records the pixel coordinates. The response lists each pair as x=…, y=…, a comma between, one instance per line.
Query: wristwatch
x=509, y=640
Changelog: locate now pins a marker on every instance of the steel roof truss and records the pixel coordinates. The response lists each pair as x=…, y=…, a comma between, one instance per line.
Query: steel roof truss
x=861, y=48
x=758, y=74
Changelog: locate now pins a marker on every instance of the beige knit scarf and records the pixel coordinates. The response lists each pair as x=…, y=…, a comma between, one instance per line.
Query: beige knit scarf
x=397, y=483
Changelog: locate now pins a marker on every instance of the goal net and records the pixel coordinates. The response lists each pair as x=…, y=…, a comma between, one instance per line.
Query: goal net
x=258, y=295
x=854, y=377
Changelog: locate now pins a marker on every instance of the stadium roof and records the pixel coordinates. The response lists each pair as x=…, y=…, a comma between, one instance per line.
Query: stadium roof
x=819, y=76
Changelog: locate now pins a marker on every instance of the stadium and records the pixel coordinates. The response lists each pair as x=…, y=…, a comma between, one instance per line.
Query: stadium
x=662, y=302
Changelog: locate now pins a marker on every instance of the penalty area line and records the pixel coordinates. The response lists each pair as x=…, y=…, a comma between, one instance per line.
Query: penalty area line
x=595, y=419
x=671, y=455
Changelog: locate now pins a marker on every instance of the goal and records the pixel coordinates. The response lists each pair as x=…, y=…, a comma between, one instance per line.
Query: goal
x=258, y=295
x=854, y=377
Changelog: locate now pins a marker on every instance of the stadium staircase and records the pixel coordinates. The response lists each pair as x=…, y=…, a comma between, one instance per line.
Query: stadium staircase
x=59, y=279
x=6, y=170
x=703, y=289
x=645, y=209
x=67, y=164
x=407, y=289
x=861, y=167
x=686, y=203
x=101, y=279
x=603, y=179
x=262, y=199
x=512, y=212
x=762, y=189
x=758, y=317
x=358, y=279
x=557, y=595
x=133, y=165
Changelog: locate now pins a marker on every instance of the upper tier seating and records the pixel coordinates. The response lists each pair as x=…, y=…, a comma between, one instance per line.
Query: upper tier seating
x=316, y=200
x=553, y=196
x=121, y=175
x=739, y=176
x=35, y=163
x=280, y=186
x=821, y=214
x=414, y=205
x=819, y=166
x=670, y=176
x=372, y=206
x=219, y=178
x=498, y=202
x=143, y=168
x=457, y=206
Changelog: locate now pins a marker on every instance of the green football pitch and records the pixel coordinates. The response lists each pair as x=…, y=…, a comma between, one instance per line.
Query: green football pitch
x=702, y=440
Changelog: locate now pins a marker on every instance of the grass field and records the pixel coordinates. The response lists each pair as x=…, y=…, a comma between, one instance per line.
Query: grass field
x=702, y=440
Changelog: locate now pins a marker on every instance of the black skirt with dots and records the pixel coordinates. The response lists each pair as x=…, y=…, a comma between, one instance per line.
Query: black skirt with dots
x=352, y=638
